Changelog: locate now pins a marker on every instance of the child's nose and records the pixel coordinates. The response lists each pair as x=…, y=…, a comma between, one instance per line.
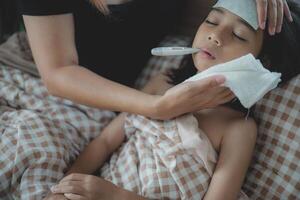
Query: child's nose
x=215, y=39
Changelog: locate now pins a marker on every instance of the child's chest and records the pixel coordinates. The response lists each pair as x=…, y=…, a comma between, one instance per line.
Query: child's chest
x=215, y=123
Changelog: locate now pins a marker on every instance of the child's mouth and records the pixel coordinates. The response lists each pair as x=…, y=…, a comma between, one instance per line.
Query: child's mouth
x=207, y=54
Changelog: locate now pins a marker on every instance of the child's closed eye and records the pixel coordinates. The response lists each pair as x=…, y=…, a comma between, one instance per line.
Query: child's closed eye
x=211, y=22
x=239, y=37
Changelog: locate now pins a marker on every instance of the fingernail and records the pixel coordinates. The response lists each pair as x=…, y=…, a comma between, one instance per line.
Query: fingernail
x=278, y=29
x=272, y=31
x=263, y=25
x=220, y=79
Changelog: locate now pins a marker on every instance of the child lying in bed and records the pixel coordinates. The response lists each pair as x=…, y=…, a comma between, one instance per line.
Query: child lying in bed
x=199, y=155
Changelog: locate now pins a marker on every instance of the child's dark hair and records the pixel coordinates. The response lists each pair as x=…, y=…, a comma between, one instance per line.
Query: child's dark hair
x=280, y=53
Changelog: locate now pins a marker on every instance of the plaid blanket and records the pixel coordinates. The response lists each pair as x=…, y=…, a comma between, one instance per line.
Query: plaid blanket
x=163, y=159
x=40, y=135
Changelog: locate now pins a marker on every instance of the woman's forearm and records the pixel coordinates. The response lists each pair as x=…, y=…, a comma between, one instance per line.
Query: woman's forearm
x=53, y=44
x=83, y=86
x=52, y=41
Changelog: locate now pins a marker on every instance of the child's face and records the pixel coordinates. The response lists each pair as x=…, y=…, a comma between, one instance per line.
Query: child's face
x=223, y=37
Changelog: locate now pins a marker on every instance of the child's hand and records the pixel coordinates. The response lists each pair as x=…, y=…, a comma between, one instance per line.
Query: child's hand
x=86, y=187
x=274, y=11
x=52, y=196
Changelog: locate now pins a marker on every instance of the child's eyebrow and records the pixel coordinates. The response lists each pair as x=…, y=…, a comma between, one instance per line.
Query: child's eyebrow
x=240, y=19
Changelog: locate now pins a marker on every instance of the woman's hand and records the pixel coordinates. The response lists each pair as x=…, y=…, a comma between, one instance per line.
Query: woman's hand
x=86, y=187
x=274, y=11
x=192, y=96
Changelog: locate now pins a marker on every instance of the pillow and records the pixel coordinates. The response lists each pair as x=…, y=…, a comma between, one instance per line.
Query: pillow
x=275, y=170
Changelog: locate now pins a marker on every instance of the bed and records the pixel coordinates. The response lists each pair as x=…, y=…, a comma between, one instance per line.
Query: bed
x=40, y=135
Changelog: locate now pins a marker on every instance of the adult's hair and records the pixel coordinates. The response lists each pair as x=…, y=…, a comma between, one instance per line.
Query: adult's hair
x=280, y=53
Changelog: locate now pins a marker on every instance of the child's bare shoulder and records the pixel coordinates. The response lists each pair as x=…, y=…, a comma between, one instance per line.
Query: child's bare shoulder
x=218, y=122
x=242, y=123
x=237, y=121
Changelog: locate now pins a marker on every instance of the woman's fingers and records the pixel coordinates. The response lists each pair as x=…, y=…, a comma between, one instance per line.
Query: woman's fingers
x=273, y=11
x=287, y=11
x=207, y=95
x=225, y=94
x=223, y=97
x=213, y=99
x=267, y=9
x=227, y=98
x=207, y=84
x=212, y=81
x=280, y=14
x=188, y=97
x=272, y=16
x=262, y=8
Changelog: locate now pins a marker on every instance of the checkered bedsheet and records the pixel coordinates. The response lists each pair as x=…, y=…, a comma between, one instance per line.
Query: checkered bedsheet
x=41, y=134
x=158, y=161
x=275, y=170
x=153, y=163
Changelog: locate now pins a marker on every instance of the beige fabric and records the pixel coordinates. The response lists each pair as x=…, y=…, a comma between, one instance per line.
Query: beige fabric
x=163, y=159
x=39, y=134
x=15, y=52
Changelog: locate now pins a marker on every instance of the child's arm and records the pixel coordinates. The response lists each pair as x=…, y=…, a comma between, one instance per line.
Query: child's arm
x=235, y=156
x=96, y=153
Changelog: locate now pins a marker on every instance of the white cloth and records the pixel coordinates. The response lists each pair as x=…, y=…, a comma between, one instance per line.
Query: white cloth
x=246, y=9
x=245, y=76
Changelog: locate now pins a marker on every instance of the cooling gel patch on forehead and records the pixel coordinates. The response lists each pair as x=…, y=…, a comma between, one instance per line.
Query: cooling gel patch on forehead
x=246, y=9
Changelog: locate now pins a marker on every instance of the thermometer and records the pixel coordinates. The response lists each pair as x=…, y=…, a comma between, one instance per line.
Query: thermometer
x=173, y=51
